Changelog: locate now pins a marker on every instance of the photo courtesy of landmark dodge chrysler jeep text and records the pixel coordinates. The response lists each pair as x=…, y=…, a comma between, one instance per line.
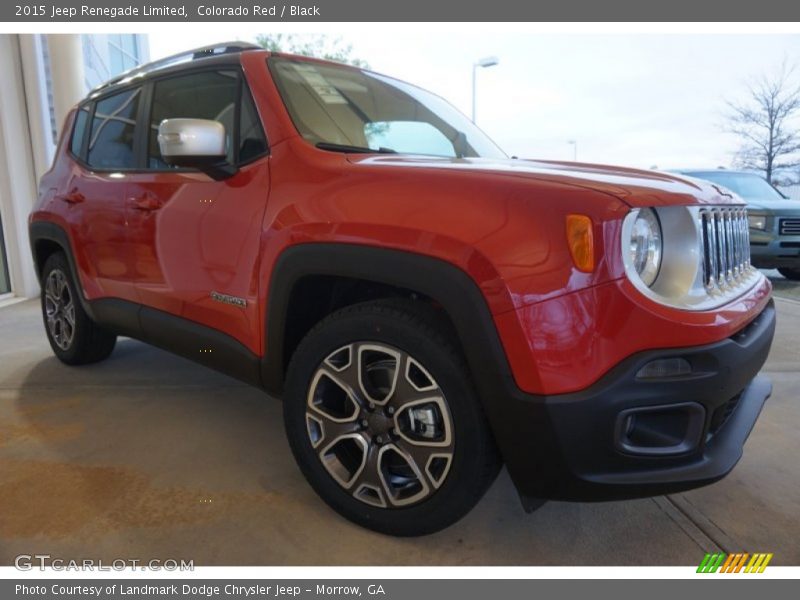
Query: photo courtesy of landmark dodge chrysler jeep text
x=427, y=308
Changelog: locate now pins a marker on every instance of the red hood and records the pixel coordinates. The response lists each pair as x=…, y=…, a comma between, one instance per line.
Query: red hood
x=635, y=187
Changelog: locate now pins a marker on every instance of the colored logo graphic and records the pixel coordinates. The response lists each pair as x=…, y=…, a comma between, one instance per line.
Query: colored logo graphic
x=734, y=563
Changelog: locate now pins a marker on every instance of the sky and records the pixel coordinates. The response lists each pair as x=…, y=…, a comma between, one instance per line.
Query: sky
x=640, y=100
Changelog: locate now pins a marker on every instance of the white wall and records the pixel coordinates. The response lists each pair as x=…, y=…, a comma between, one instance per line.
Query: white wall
x=17, y=168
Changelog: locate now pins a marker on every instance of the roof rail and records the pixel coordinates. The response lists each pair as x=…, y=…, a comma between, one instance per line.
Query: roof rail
x=189, y=55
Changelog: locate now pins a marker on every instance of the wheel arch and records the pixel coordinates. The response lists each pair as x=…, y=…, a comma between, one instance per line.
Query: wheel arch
x=440, y=282
x=47, y=238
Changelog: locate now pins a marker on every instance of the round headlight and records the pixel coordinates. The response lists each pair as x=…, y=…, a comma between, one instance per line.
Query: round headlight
x=646, y=245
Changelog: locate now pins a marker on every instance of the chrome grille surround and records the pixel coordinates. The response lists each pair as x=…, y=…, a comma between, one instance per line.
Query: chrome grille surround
x=705, y=256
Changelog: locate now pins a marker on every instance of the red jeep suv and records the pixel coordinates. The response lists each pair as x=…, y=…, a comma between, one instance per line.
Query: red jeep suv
x=427, y=307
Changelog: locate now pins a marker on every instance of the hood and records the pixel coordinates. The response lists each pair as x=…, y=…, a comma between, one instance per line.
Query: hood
x=777, y=206
x=635, y=187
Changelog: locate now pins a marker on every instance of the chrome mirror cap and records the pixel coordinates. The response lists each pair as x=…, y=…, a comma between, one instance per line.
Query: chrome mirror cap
x=192, y=142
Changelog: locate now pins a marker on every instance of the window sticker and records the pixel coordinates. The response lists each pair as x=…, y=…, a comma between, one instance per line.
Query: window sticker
x=327, y=93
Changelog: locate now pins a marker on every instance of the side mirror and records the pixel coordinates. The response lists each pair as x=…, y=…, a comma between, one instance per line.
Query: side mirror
x=195, y=143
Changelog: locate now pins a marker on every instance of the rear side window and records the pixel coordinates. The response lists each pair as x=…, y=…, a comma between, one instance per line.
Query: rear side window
x=79, y=131
x=206, y=95
x=113, y=131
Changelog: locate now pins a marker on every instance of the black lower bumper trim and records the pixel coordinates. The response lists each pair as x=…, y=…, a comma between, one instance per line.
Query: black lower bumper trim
x=720, y=456
x=572, y=442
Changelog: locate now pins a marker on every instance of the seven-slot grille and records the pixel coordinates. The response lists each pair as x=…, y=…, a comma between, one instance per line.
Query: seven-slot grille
x=790, y=226
x=726, y=245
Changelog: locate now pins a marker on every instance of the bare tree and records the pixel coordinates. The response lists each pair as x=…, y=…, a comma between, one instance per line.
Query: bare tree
x=318, y=46
x=770, y=139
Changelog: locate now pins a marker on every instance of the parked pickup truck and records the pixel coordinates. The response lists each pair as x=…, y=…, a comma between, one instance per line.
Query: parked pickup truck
x=427, y=308
x=773, y=219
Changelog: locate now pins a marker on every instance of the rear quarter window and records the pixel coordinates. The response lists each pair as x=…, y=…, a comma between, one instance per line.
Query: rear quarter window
x=79, y=131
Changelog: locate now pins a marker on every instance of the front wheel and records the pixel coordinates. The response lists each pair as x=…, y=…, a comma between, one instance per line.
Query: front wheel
x=384, y=423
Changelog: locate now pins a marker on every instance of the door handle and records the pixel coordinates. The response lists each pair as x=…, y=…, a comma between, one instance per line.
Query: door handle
x=73, y=197
x=146, y=203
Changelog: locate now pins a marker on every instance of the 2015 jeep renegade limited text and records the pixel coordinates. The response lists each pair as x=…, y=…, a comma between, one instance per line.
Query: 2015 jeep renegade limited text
x=427, y=308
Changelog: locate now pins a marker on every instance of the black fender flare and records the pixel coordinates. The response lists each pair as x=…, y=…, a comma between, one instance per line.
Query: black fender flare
x=52, y=232
x=447, y=284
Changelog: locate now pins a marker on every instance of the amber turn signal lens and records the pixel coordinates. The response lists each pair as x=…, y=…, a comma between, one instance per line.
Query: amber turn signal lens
x=581, y=242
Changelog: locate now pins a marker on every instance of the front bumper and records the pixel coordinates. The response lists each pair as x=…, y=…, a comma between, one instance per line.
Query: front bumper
x=778, y=253
x=628, y=437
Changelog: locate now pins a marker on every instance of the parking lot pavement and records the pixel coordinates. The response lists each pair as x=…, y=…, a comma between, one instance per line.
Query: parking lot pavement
x=147, y=455
x=782, y=286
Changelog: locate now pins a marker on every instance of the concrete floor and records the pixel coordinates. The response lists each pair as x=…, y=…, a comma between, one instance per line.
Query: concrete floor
x=147, y=455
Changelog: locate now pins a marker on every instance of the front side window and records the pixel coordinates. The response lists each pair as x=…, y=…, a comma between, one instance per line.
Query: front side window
x=335, y=105
x=113, y=131
x=205, y=95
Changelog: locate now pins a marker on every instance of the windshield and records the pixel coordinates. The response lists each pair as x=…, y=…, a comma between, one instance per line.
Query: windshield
x=346, y=109
x=748, y=186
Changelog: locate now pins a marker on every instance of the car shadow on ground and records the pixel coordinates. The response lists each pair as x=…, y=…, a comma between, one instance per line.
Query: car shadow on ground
x=149, y=455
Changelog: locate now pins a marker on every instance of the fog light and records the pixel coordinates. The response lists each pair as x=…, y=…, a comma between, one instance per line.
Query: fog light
x=660, y=430
x=665, y=367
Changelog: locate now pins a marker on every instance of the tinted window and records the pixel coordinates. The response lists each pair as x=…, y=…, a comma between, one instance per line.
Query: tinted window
x=252, y=143
x=113, y=131
x=207, y=95
x=79, y=130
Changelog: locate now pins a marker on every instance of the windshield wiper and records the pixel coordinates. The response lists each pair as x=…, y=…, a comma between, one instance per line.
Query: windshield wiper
x=355, y=149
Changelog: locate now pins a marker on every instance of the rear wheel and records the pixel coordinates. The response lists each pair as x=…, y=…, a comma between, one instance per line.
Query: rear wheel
x=73, y=336
x=383, y=421
x=793, y=274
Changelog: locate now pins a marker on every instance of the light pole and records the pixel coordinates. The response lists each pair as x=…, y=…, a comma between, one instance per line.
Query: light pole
x=488, y=61
x=574, y=144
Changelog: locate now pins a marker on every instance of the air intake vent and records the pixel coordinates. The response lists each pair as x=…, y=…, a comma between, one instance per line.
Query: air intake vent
x=726, y=246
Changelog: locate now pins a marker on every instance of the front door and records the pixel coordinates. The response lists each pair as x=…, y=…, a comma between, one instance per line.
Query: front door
x=195, y=241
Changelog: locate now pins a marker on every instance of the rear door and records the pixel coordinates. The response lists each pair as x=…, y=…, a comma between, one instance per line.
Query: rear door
x=104, y=148
x=195, y=241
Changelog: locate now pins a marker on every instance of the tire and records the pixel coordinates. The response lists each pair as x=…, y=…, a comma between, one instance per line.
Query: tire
x=793, y=274
x=427, y=413
x=73, y=336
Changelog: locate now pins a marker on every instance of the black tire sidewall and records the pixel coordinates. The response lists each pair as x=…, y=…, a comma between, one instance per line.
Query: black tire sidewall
x=462, y=486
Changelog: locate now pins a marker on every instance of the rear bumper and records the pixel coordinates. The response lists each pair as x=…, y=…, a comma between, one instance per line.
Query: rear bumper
x=627, y=437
